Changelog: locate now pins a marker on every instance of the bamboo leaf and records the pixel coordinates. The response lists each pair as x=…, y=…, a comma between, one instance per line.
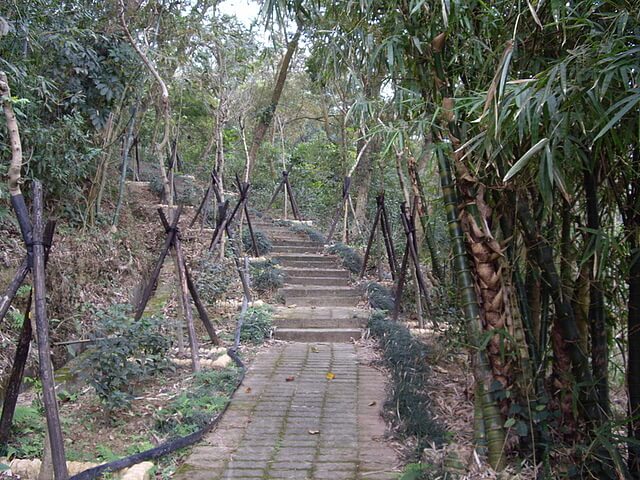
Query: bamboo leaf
x=522, y=161
x=630, y=103
x=534, y=14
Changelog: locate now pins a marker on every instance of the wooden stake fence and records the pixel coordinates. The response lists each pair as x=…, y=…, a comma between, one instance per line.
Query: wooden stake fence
x=382, y=220
x=284, y=183
x=410, y=253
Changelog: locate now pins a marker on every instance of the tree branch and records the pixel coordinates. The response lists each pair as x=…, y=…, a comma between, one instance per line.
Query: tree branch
x=14, y=137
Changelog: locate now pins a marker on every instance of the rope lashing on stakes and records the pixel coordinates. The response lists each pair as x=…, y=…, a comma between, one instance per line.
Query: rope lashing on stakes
x=169, y=446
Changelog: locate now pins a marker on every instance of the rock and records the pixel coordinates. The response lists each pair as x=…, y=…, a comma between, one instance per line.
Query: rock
x=222, y=362
x=26, y=469
x=141, y=471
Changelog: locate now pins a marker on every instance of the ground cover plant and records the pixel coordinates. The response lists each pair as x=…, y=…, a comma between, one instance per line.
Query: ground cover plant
x=408, y=405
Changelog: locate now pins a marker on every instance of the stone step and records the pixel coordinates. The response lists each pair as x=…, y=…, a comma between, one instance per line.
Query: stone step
x=336, y=335
x=296, y=242
x=322, y=301
x=319, y=291
x=312, y=317
x=320, y=281
x=321, y=264
x=296, y=249
x=306, y=256
x=291, y=272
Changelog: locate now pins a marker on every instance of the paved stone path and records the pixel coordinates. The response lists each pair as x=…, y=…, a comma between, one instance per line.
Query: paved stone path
x=288, y=421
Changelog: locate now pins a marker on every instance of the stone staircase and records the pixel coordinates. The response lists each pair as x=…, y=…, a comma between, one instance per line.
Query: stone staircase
x=320, y=303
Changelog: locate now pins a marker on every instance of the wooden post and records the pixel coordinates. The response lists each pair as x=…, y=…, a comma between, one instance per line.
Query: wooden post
x=226, y=222
x=220, y=222
x=188, y=313
x=156, y=271
x=42, y=333
x=292, y=199
x=12, y=289
x=15, y=379
x=245, y=186
x=370, y=241
x=345, y=193
x=401, y=279
x=275, y=194
x=407, y=222
x=205, y=199
x=388, y=239
x=202, y=312
x=22, y=351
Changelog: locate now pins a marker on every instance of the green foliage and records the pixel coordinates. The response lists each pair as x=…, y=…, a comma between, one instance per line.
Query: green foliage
x=130, y=352
x=380, y=297
x=262, y=240
x=408, y=405
x=266, y=277
x=256, y=324
x=214, y=278
x=415, y=471
x=28, y=428
x=313, y=234
x=351, y=259
x=195, y=408
x=67, y=75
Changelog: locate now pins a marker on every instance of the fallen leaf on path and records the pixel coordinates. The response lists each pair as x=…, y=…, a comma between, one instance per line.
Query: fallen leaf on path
x=371, y=404
x=314, y=432
x=290, y=379
x=330, y=376
x=248, y=390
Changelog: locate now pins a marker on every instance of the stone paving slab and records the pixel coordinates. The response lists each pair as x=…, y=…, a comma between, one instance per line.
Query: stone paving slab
x=288, y=421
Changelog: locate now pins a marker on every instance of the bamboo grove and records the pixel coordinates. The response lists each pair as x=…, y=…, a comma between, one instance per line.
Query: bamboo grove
x=517, y=122
x=530, y=111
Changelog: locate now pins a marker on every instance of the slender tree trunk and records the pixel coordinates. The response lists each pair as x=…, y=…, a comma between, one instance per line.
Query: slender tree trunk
x=164, y=107
x=565, y=331
x=265, y=119
x=631, y=218
x=418, y=192
x=597, y=318
x=365, y=168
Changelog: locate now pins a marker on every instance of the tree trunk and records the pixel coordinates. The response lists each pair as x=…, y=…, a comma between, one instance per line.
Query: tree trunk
x=597, y=318
x=418, y=192
x=264, y=120
x=565, y=330
x=365, y=168
x=631, y=218
x=164, y=107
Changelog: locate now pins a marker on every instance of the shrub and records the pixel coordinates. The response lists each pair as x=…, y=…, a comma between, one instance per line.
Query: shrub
x=313, y=234
x=380, y=297
x=214, y=278
x=263, y=243
x=196, y=408
x=406, y=357
x=128, y=351
x=256, y=325
x=351, y=259
x=266, y=277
